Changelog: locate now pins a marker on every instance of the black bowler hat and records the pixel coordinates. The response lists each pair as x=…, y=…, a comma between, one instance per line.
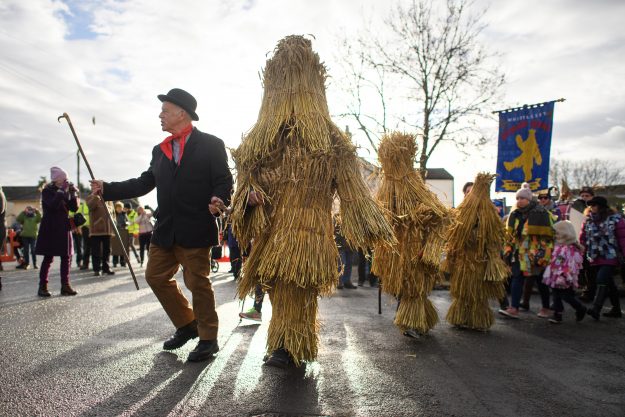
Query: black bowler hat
x=182, y=99
x=597, y=201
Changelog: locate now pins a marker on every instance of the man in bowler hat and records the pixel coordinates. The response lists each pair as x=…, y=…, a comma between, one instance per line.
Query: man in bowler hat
x=193, y=184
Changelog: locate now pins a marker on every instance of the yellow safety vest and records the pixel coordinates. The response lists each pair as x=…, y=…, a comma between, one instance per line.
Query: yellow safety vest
x=133, y=228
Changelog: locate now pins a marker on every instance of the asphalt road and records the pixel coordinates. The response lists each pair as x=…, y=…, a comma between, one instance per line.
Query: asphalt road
x=99, y=354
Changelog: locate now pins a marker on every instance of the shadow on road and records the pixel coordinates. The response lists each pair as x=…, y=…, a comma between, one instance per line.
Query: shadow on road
x=152, y=394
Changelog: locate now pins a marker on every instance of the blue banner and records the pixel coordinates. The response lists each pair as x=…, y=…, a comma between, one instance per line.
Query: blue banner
x=524, y=147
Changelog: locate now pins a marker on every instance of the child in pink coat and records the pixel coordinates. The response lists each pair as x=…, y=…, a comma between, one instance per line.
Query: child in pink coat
x=561, y=274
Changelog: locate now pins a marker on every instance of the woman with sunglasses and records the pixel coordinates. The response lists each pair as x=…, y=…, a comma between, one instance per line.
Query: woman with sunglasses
x=544, y=199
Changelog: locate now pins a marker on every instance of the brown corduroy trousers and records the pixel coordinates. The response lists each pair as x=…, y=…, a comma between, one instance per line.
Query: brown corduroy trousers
x=163, y=263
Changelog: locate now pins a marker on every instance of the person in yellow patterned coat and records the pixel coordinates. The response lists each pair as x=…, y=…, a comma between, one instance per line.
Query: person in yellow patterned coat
x=528, y=250
x=290, y=166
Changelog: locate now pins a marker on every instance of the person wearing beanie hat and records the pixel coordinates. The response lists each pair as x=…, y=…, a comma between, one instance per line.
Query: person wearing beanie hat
x=603, y=236
x=189, y=170
x=525, y=192
x=58, y=175
x=528, y=250
x=55, y=238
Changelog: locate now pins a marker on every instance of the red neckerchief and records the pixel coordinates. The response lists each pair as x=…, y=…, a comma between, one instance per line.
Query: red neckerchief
x=166, y=145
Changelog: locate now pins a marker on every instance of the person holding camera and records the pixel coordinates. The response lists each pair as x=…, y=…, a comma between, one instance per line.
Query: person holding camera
x=29, y=219
x=55, y=238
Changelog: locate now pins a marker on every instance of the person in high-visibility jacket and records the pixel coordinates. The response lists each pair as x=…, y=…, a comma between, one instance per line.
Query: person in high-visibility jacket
x=133, y=227
x=83, y=209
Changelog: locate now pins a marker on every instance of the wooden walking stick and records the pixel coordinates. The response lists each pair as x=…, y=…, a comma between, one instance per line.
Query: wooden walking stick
x=84, y=158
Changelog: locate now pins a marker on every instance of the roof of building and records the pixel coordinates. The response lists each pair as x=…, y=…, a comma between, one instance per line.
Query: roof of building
x=21, y=192
x=28, y=193
x=438, y=174
x=432, y=173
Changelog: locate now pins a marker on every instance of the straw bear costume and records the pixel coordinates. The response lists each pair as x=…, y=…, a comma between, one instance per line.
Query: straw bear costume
x=298, y=160
x=409, y=270
x=477, y=272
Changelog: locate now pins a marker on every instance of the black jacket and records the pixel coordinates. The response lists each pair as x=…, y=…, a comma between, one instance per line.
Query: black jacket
x=183, y=191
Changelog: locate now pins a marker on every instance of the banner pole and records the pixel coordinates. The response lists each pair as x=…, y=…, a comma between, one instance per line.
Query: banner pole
x=529, y=106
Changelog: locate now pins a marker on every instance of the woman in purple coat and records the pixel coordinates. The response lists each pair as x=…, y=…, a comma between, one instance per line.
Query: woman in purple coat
x=55, y=238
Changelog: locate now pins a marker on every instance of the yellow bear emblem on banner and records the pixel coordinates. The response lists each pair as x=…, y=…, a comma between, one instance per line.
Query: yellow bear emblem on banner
x=529, y=153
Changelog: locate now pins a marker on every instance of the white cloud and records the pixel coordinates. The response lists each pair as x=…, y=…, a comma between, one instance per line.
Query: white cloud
x=608, y=145
x=215, y=50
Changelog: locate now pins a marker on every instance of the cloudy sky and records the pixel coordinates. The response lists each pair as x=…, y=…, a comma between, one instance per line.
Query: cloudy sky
x=109, y=59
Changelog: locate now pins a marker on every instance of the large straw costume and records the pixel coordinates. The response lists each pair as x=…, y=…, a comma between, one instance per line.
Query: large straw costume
x=297, y=159
x=410, y=269
x=474, y=258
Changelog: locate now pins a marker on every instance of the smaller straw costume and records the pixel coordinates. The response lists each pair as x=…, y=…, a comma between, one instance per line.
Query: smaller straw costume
x=474, y=246
x=297, y=159
x=410, y=269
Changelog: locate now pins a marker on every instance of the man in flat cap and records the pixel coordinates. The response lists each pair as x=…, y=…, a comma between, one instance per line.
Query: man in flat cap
x=193, y=184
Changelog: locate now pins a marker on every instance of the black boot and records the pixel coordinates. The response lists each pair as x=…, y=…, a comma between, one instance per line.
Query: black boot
x=67, y=289
x=373, y=281
x=589, y=292
x=182, y=336
x=602, y=294
x=43, y=291
x=279, y=358
x=205, y=349
x=615, y=312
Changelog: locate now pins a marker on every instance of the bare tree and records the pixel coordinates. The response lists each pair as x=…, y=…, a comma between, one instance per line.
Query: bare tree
x=363, y=82
x=442, y=82
x=589, y=172
x=560, y=170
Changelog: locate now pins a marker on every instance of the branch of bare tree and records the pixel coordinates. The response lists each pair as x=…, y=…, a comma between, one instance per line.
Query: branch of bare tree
x=427, y=71
x=590, y=172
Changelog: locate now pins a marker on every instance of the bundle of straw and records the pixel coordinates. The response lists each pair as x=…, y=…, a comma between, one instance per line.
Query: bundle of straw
x=410, y=269
x=474, y=246
x=297, y=159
